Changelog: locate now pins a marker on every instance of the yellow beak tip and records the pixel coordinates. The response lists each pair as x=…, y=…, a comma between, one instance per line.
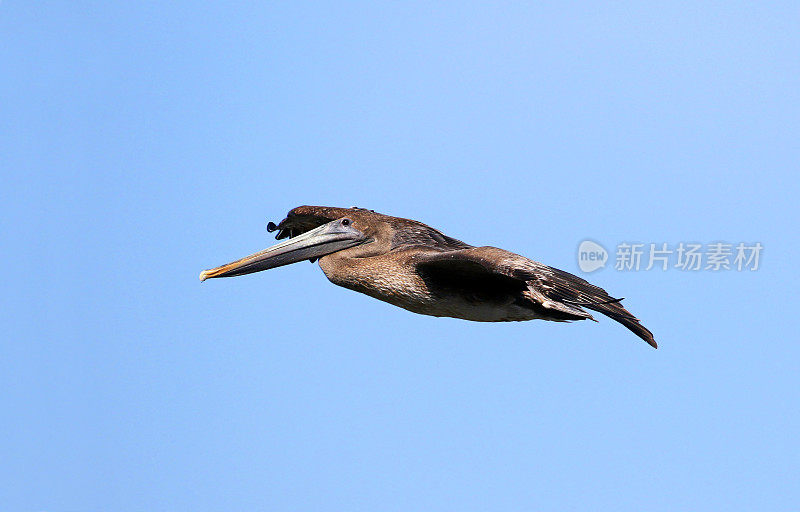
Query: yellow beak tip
x=204, y=275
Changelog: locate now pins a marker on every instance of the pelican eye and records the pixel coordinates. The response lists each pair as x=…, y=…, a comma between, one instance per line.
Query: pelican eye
x=345, y=222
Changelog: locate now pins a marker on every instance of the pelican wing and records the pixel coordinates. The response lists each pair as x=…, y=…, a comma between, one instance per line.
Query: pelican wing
x=560, y=293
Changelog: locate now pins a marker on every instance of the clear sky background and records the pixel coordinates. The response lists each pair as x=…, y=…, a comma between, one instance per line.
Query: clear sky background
x=142, y=142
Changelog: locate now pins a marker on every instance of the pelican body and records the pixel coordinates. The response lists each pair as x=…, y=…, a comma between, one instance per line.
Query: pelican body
x=411, y=265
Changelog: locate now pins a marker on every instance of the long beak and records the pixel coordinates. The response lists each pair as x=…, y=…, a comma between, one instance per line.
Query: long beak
x=326, y=239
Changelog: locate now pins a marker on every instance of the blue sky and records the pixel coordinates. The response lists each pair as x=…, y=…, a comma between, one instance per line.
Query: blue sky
x=144, y=142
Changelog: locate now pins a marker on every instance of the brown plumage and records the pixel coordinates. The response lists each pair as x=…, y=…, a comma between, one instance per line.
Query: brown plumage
x=416, y=267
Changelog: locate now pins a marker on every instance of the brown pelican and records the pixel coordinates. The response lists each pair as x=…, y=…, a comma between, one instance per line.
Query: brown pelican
x=412, y=265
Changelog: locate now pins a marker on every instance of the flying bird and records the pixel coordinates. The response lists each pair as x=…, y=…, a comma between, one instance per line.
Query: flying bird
x=418, y=268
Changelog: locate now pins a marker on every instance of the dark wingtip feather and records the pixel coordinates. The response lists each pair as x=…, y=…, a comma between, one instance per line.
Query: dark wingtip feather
x=615, y=311
x=571, y=289
x=632, y=323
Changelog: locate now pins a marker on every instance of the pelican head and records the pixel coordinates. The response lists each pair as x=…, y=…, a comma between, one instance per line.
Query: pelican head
x=311, y=236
